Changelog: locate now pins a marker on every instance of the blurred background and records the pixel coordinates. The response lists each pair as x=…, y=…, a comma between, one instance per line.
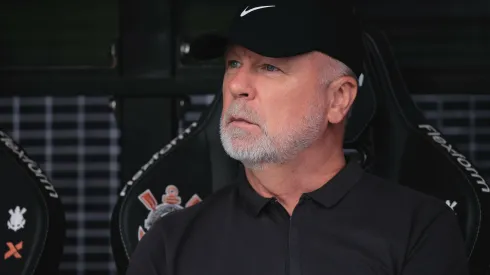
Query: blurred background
x=91, y=89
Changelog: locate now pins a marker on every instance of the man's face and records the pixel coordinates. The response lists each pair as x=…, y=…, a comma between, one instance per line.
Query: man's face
x=273, y=108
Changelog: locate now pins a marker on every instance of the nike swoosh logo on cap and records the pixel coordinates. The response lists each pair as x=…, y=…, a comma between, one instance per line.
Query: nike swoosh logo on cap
x=245, y=11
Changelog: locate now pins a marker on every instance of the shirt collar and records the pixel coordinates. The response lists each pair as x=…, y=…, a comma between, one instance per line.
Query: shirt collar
x=328, y=195
x=337, y=187
x=253, y=201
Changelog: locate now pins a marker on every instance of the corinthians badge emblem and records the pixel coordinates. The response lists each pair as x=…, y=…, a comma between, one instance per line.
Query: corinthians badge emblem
x=171, y=201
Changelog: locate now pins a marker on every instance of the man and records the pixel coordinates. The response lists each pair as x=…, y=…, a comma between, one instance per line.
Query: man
x=298, y=207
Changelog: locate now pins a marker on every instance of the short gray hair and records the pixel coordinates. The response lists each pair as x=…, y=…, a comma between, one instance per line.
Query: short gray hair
x=335, y=69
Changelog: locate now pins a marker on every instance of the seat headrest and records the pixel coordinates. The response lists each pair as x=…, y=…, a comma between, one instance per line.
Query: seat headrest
x=411, y=151
x=35, y=231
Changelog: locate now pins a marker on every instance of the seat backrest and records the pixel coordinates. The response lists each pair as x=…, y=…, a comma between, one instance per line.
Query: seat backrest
x=195, y=164
x=32, y=216
x=190, y=167
x=409, y=150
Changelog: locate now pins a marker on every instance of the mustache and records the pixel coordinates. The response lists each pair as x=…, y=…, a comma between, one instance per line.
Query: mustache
x=239, y=110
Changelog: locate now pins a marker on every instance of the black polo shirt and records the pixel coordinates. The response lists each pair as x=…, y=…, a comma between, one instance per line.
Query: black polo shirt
x=356, y=224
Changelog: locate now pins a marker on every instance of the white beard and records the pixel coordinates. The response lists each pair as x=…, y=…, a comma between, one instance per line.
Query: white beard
x=255, y=151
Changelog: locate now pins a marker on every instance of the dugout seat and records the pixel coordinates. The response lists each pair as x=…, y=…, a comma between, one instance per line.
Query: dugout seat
x=33, y=221
x=407, y=149
x=386, y=132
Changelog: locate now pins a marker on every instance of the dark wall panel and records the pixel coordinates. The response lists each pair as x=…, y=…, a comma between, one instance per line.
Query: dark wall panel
x=442, y=46
x=57, y=34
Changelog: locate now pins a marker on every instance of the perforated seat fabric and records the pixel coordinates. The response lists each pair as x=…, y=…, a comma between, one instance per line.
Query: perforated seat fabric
x=31, y=214
x=390, y=147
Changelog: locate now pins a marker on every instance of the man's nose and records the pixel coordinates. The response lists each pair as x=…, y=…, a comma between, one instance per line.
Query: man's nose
x=241, y=84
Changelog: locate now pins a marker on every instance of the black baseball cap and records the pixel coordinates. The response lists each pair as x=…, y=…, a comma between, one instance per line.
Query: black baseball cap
x=284, y=28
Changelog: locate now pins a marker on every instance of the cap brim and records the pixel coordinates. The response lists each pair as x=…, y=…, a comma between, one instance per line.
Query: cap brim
x=211, y=46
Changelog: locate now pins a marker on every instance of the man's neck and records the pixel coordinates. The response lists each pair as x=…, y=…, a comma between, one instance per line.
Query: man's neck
x=309, y=171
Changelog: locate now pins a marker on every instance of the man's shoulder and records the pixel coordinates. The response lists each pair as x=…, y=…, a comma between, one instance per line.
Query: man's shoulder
x=393, y=197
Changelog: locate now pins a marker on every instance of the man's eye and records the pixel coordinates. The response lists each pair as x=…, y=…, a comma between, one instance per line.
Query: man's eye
x=270, y=68
x=233, y=64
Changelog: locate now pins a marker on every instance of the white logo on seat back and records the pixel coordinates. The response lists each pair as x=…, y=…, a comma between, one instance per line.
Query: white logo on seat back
x=16, y=221
x=451, y=204
x=361, y=80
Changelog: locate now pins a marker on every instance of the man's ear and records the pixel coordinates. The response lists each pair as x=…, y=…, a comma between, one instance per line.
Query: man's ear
x=342, y=93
